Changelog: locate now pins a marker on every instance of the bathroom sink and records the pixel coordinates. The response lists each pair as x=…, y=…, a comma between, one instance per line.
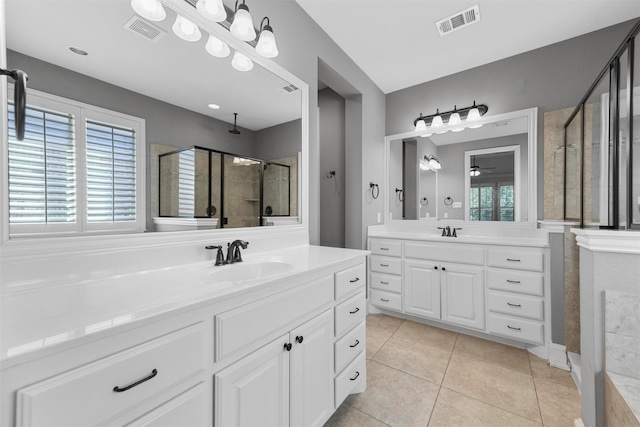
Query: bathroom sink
x=248, y=271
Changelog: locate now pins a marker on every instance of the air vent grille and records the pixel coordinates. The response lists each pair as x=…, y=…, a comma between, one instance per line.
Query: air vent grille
x=289, y=88
x=144, y=29
x=459, y=20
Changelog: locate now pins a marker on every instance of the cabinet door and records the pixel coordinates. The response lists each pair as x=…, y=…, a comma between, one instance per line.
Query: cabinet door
x=463, y=296
x=422, y=289
x=255, y=390
x=312, y=371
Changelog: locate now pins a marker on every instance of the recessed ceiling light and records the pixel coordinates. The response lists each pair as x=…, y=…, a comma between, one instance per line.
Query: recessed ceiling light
x=78, y=51
x=214, y=106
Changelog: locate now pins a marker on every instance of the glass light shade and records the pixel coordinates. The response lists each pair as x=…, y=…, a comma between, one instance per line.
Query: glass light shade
x=424, y=165
x=474, y=172
x=217, y=47
x=186, y=29
x=421, y=126
x=267, y=44
x=242, y=26
x=454, y=120
x=241, y=62
x=149, y=9
x=473, y=116
x=212, y=9
x=434, y=164
x=437, y=123
x=426, y=135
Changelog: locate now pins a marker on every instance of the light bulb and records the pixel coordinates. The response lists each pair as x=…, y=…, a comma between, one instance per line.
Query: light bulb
x=212, y=9
x=217, y=47
x=267, y=43
x=242, y=26
x=474, y=172
x=149, y=9
x=241, y=62
x=186, y=29
x=421, y=125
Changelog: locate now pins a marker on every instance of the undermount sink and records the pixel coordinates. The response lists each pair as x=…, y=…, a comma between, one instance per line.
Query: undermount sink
x=249, y=271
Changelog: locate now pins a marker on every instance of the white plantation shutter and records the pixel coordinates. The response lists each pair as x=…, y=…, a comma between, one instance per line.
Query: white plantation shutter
x=187, y=183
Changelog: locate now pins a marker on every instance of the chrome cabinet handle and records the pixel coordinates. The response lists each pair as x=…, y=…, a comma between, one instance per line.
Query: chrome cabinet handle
x=353, y=345
x=515, y=329
x=357, y=375
x=130, y=386
x=514, y=305
x=354, y=280
x=513, y=281
x=355, y=311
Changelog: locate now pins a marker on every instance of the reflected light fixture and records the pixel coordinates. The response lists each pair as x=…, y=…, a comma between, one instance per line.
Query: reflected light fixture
x=455, y=120
x=186, y=29
x=267, y=42
x=149, y=9
x=430, y=162
x=212, y=9
x=217, y=47
x=474, y=170
x=241, y=62
x=242, y=25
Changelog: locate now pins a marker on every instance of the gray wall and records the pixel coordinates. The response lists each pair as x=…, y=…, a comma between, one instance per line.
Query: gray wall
x=553, y=77
x=410, y=179
x=280, y=141
x=332, y=158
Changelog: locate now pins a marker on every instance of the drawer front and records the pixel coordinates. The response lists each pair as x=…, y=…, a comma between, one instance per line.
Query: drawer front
x=348, y=347
x=516, y=305
x=246, y=327
x=518, y=259
x=87, y=395
x=348, y=379
x=386, y=265
x=515, y=281
x=386, y=282
x=386, y=247
x=350, y=312
x=516, y=328
x=348, y=281
x=448, y=253
x=386, y=300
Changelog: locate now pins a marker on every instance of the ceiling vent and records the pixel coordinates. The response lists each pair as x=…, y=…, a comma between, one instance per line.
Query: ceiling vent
x=289, y=88
x=459, y=20
x=145, y=29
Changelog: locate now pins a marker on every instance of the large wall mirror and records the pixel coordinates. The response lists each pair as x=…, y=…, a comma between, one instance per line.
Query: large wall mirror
x=484, y=174
x=100, y=53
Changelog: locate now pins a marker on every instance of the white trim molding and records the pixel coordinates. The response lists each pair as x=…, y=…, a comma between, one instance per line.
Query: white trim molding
x=624, y=242
x=556, y=226
x=558, y=356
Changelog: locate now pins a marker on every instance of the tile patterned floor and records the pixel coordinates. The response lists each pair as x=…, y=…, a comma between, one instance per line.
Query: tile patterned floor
x=418, y=375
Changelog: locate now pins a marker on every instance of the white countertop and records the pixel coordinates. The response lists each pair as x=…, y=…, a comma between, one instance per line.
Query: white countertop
x=32, y=319
x=475, y=239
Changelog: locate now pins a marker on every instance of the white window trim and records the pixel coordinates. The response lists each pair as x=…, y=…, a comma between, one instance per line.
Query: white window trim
x=82, y=227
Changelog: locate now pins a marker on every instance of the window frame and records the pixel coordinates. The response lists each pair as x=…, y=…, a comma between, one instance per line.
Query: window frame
x=81, y=112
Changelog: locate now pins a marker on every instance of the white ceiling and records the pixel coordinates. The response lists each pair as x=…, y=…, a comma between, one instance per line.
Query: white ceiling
x=396, y=42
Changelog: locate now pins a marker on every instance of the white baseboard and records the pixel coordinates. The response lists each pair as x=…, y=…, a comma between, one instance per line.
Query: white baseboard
x=558, y=356
x=576, y=371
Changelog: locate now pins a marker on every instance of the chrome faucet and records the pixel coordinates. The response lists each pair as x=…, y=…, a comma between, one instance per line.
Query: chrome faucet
x=233, y=251
x=446, y=231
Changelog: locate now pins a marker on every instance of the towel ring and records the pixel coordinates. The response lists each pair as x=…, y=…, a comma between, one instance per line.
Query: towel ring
x=424, y=202
x=400, y=194
x=375, y=190
x=448, y=201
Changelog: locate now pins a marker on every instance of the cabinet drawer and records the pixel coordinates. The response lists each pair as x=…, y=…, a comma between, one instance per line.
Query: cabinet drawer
x=350, y=312
x=349, y=280
x=386, y=300
x=386, y=247
x=518, y=259
x=347, y=347
x=348, y=379
x=87, y=395
x=386, y=282
x=516, y=328
x=515, y=281
x=386, y=265
x=245, y=328
x=516, y=305
x=448, y=253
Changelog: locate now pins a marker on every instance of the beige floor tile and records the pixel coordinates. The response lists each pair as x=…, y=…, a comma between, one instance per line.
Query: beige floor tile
x=415, y=358
x=493, y=384
x=540, y=369
x=560, y=405
x=455, y=409
x=383, y=321
x=493, y=352
x=426, y=334
x=380, y=327
x=394, y=397
x=348, y=416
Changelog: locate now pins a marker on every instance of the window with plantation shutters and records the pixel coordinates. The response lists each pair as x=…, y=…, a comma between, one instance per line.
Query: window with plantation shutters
x=79, y=169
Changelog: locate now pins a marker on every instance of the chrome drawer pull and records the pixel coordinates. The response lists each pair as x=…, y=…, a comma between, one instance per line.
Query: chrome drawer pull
x=354, y=280
x=355, y=311
x=384, y=300
x=513, y=281
x=514, y=305
x=130, y=386
x=384, y=265
x=353, y=345
x=384, y=283
x=357, y=375
x=515, y=329
x=513, y=259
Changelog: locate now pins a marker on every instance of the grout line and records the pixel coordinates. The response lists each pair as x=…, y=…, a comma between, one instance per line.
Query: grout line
x=369, y=415
x=435, y=402
x=383, y=344
x=535, y=388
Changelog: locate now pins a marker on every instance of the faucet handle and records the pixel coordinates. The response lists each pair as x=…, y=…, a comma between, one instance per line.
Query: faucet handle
x=454, y=231
x=219, y=254
x=444, y=231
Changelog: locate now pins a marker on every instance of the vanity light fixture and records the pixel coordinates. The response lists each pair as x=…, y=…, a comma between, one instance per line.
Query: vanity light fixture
x=241, y=62
x=430, y=162
x=421, y=125
x=267, y=46
x=427, y=125
x=437, y=122
x=186, y=29
x=242, y=25
x=474, y=170
x=212, y=9
x=149, y=9
x=217, y=47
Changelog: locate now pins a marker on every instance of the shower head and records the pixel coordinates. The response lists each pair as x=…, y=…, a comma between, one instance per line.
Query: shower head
x=235, y=130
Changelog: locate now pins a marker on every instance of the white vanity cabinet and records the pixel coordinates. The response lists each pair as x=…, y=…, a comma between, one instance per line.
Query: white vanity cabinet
x=385, y=265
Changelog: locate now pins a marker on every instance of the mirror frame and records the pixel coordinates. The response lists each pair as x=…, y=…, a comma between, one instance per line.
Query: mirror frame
x=532, y=175
x=213, y=28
